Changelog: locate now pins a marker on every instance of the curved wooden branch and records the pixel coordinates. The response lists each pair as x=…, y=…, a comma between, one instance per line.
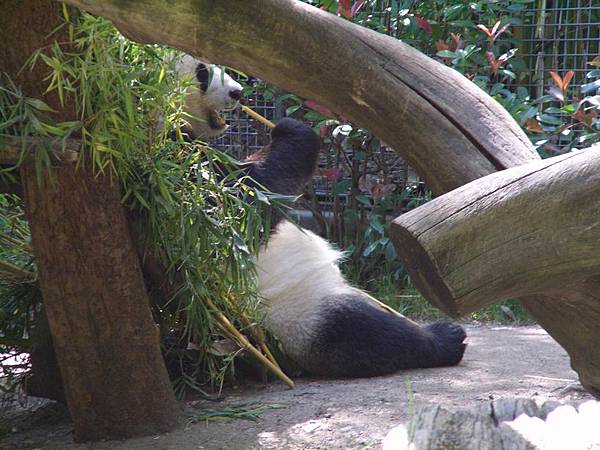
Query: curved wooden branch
x=532, y=230
x=11, y=150
x=430, y=114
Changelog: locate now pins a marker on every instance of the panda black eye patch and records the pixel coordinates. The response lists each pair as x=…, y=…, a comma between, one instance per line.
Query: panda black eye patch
x=202, y=75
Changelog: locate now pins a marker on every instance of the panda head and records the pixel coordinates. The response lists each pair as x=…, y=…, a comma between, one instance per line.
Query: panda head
x=211, y=91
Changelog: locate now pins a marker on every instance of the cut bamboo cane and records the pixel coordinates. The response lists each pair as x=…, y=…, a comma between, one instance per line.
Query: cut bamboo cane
x=246, y=344
x=257, y=116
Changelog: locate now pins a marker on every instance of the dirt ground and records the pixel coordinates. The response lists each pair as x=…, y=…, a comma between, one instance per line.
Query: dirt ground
x=500, y=362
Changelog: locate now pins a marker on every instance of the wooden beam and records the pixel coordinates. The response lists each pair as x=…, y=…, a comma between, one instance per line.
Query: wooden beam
x=532, y=229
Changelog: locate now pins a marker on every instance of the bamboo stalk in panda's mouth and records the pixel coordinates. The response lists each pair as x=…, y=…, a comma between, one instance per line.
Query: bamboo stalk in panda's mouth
x=257, y=116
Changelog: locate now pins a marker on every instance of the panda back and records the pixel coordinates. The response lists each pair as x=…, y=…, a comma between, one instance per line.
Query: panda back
x=298, y=264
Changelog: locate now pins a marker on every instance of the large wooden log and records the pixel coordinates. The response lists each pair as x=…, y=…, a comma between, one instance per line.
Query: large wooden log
x=443, y=125
x=106, y=341
x=532, y=229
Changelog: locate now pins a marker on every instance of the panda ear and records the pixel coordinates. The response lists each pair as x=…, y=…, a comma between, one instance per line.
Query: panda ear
x=202, y=75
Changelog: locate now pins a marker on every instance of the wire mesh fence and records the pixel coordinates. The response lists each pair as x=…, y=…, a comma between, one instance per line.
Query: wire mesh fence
x=559, y=36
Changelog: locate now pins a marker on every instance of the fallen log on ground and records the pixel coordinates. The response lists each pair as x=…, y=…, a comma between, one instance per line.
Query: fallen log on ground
x=530, y=230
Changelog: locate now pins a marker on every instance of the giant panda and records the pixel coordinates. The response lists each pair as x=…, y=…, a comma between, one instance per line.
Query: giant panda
x=325, y=325
x=211, y=91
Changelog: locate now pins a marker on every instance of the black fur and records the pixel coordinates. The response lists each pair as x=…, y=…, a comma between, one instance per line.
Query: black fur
x=202, y=75
x=358, y=339
x=288, y=162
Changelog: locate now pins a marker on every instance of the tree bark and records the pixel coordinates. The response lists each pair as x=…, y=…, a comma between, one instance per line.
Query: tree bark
x=26, y=26
x=449, y=130
x=466, y=250
x=105, y=339
x=106, y=342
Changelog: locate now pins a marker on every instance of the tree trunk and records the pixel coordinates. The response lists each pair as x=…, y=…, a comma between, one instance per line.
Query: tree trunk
x=105, y=339
x=466, y=250
x=26, y=26
x=106, y=342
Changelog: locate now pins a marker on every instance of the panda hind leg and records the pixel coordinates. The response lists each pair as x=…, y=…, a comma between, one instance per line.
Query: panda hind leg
x=358, y=339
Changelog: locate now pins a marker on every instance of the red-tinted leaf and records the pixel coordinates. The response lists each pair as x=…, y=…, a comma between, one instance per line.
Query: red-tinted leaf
x=323, y=131
x=344, y=8
x=485, y=30
x=358, y=4
x=562, y=82
x=501, y=31
x=557, y=79
x=495, y=28
x=584, y=117
x=319, y=108
x=441, y=45
x=332, y=174
x=457, y=42
x=567, y=79
x=377, y=192
x=423, y=24
x=494, y=63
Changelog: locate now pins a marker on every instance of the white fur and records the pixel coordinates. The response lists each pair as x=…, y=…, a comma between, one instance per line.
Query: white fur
x=198, y=104
x=296, y=270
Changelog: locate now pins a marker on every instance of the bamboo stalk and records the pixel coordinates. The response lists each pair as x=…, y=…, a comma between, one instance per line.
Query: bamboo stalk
x=386, y=307
x=257, y=116
x=11, y=269
x=256, y=333
x=245, y=344
x=25, y=246
x=260, y=338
